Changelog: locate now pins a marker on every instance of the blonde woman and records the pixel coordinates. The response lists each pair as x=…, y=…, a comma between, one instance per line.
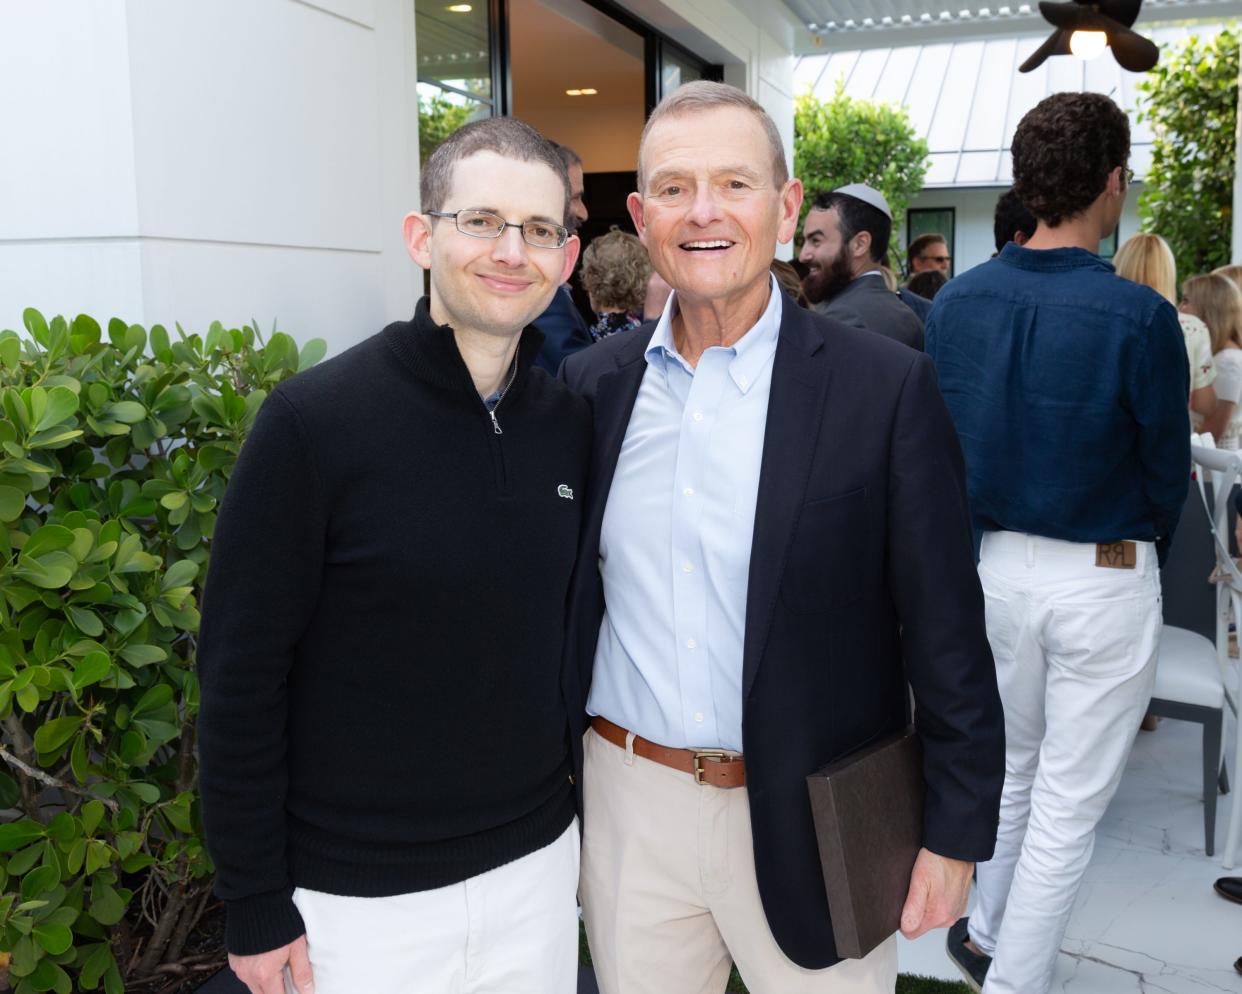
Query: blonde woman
x=1147, y=259
x=1217, y=301
x=1234, y=272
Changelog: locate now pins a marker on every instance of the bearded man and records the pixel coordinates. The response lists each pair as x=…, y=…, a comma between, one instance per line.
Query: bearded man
x=844, y=242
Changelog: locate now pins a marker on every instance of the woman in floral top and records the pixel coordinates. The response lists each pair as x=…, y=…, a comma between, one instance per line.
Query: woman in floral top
x=615, y=271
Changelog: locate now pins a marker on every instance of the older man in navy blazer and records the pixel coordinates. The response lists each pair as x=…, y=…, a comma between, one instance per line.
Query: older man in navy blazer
x=776, y=540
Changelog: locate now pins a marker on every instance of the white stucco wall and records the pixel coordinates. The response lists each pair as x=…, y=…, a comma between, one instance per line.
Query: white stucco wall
x=975, y=207
x=172, y=160
x=190, y=162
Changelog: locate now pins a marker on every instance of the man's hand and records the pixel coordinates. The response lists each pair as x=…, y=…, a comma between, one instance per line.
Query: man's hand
x=939, y=887
x=264, y=973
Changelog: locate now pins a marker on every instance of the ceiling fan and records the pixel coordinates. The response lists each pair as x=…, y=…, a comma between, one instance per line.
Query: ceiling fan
x=1085, y=29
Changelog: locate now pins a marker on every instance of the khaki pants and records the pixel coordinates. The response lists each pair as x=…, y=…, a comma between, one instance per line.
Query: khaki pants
x=669, y=894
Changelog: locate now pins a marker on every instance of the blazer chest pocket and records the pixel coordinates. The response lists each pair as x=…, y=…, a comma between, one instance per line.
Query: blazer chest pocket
x=822, y=570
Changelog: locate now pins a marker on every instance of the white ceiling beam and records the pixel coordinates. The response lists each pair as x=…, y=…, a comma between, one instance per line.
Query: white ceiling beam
x=963, y=29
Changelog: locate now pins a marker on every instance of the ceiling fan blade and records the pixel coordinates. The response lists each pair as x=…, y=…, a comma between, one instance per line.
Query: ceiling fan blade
x=1056, y=44
x=1133, y=51
x=1066, y=16
x=1124, y=12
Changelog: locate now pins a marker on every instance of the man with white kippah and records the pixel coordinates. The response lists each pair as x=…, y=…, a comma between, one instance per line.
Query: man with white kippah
x=844, y=242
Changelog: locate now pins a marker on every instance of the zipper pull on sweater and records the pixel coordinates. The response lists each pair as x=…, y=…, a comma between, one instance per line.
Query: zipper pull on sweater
x=495, y=423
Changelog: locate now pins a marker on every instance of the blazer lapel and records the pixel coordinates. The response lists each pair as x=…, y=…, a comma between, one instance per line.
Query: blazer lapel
x=799, y=384
x=615, y=394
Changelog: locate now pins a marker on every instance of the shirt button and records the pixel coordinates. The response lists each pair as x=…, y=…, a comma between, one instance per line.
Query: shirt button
x=688, y=492
x=698, y=715
x=698, y=415
x=691, y=644
x=687, y=568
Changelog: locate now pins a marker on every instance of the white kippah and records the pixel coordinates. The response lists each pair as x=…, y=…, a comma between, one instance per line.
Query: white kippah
x=868, y=195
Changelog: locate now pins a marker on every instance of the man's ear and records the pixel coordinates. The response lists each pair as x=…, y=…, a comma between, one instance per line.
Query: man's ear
x=860, y=245
x=572, y=247
x=416, y=230
x=634, y=204
x=791, y=207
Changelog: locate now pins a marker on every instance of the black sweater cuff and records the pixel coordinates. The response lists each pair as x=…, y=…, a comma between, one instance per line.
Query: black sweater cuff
x=262, y=923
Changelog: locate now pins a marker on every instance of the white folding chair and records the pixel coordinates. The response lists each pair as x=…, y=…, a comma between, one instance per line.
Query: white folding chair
x=1190, y=672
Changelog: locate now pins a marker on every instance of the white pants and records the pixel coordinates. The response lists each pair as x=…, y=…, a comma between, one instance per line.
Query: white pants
x=1075, y=647
x=511, y=930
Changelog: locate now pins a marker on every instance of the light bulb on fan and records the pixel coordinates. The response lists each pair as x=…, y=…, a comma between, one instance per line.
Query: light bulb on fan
x=1088, y=44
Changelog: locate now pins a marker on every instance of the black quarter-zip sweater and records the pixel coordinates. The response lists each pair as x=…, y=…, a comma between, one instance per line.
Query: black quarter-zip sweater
x=380, y=652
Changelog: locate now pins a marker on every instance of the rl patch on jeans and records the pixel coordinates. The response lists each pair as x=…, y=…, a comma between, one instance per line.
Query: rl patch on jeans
x=1116, y=555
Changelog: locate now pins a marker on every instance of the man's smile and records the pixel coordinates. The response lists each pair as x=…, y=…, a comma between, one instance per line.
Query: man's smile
x=504, y=284
x=707, y=245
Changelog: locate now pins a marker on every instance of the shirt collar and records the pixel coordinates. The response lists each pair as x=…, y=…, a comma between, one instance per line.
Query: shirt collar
x=751, y=352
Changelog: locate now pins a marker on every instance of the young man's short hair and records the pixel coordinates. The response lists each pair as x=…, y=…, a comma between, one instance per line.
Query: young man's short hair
x=920, y=245
x=1011, y=216
x=1063, y=151
x=853, y=216
x=505, y=136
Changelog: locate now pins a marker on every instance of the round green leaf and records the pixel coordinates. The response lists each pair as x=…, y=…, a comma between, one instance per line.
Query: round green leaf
x=12, y=503
x=54, y=939
x=107, y=906
x=62, y=403
x=85, y=621
x=16, y=834
x=55, y=733
x=47, y=539
x=127, y=412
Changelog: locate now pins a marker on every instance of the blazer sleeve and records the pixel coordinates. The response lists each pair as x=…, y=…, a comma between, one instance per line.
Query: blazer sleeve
x=932, y=574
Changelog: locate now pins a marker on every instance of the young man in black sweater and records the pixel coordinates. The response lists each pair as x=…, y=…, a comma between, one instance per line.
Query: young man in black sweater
x=385, y=767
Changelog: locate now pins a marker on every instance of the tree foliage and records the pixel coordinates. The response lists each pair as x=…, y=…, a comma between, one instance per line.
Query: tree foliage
x=1191, y=102
x=438, y=117
x=845, y=141
x=113, y=461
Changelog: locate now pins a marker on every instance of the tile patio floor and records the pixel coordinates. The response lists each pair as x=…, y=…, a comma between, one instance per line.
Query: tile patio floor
x=1147, y=919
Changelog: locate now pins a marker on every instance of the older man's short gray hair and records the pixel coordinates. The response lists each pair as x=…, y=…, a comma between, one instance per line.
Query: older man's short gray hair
x=702, y=95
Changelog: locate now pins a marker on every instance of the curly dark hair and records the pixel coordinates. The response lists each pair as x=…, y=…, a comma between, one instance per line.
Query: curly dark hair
x=1063, y=151
x=615, y=271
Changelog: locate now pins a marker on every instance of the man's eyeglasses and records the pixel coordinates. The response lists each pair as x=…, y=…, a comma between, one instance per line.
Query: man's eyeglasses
x=484, y=224
x=1129, y=176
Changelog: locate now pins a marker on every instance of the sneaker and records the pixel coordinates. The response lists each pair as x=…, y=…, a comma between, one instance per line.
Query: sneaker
x=974, y=966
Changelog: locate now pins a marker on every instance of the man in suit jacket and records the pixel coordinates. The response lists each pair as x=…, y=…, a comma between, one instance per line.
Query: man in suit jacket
x=844, y=242
x=776, y=538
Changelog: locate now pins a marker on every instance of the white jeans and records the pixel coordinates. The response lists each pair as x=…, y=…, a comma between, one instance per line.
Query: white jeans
x=511, y=930
x=1075, y=648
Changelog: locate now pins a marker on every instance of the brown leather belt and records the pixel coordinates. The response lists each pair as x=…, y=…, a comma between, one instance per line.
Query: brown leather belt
x=711, y=767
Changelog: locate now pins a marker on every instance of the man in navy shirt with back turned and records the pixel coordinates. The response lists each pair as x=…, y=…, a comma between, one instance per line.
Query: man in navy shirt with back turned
x=1068, y=388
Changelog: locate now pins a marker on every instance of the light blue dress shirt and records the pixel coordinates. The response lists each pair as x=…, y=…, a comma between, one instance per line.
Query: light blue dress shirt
x=674, y=552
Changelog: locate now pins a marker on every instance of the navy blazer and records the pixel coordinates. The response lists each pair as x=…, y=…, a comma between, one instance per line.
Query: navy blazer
x=862, y=576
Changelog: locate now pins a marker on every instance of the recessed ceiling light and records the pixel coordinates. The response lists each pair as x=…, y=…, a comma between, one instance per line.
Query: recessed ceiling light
x=461, y=8
x=573, y=93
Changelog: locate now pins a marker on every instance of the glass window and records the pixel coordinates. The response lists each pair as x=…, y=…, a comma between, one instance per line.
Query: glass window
x=454, y=68
x=931, y=221
x=675, y=69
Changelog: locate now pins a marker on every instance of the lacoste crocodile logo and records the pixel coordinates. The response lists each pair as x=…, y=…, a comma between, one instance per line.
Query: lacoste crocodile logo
x=564, y=491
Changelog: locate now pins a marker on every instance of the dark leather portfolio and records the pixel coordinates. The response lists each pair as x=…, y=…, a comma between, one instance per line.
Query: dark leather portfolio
x=868, y=810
